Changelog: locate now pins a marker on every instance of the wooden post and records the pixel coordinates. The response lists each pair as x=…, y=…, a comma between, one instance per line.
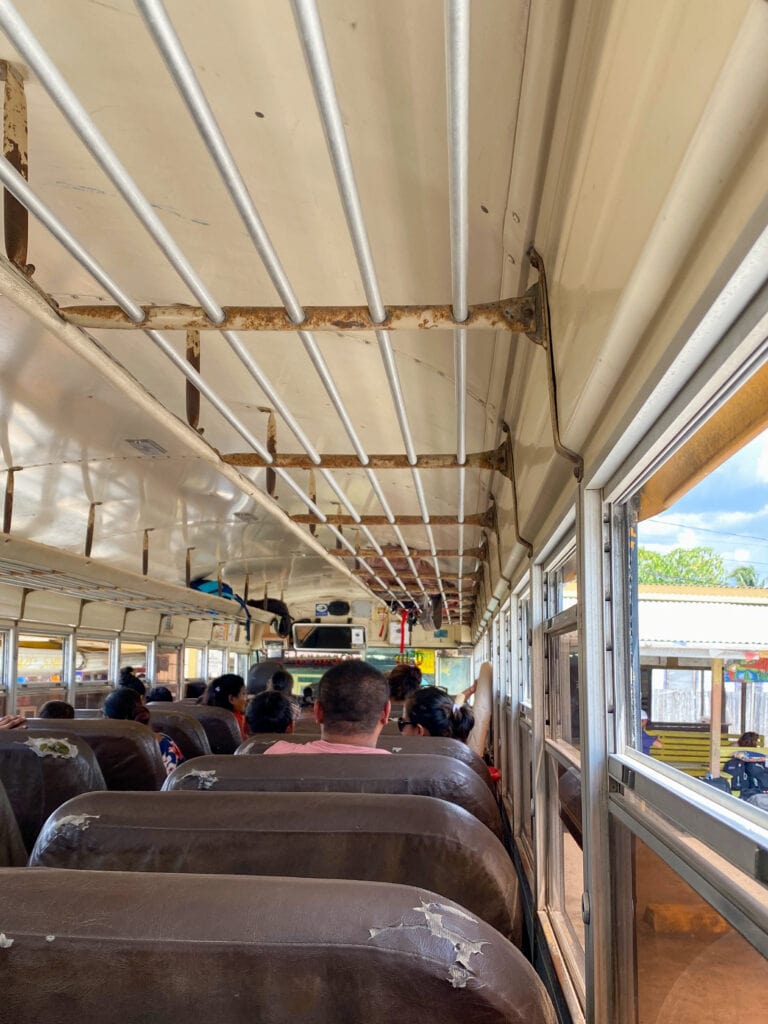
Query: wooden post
x=715, y=717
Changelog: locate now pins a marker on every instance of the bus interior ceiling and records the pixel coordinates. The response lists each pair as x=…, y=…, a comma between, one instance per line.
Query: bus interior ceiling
x=529, y=162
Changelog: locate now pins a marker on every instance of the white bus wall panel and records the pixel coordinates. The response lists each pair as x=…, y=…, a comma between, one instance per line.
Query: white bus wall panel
x=142, y=623
x=201, y=629
x=174, y=627
x=11, y=599
x=102, y=615
x=51, y=608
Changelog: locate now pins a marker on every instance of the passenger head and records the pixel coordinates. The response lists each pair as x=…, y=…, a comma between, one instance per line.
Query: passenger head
x=228, y=692
x=193, y=691
x=160, y=693
x=260, y=674
x=131, y=682
x=430, y=711
x=403, y=679
x=353, y=700
x=270, y=711
x=749, y=739
x=126, y=704
x=307, y=697
x=281, y=681
x=56, y=709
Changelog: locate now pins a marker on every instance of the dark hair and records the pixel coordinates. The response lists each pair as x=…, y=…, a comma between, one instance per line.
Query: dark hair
x=158, y=693
x=281, y=681
x=195, y=690
x=270, y=711
x=122, y=703
x=260, y=674
x=748, y=739
x=434, y=709
x=404, y=679
x=353, y=695
x=307, y=697
x=56, y=709
x=131, y=682
x=220, y=690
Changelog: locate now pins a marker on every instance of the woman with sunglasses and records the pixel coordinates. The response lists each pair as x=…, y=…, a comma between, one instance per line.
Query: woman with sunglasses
x=430, y=711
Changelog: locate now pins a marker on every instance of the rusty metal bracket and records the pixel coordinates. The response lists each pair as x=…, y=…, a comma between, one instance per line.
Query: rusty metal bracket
x=495, y=459
x=246, y=587
x=510, y=456
x=188, y=566
x=272, y=449
x=15, y=215
x=193, y=395
x=542, y=335
x=90, y=528
x=312, y=492
x=516, y=315
x=8, y=506
x=145, y=552
x=475, y=519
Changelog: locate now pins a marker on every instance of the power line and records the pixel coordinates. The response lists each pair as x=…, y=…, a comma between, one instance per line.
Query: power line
x=704, y=529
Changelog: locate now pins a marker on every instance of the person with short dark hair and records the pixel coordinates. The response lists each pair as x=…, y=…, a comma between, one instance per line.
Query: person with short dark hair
x=352, y=708
x=403, y=680
x=56, y=709
x=430, y=711
x=307, y=697
x=126, y=704
x=270, y=711
x=260, y=674
x=282, y=682
x=159, y=693
x=748, y=739
x=228, y=692
x=131, y=682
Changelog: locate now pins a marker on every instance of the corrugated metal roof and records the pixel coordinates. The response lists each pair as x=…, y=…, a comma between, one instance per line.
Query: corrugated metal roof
x=703, y=622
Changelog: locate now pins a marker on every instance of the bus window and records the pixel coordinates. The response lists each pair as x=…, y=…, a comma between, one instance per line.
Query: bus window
x=40, y=672
x=168, y=668
x=92, y=683
x=691, y=965
x=194, y=662
x=135, y=654
x=215, y=663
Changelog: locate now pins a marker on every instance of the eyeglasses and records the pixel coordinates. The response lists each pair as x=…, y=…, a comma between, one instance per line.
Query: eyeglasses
x=402, y=722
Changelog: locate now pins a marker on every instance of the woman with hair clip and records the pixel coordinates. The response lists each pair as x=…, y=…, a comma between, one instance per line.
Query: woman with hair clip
x=430, y=711
x=228, y=692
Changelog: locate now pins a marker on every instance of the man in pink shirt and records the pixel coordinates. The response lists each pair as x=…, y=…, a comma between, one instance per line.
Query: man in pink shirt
x=352, y=708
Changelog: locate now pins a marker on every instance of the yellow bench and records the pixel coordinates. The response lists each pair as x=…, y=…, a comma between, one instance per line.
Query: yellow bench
x=689, y=751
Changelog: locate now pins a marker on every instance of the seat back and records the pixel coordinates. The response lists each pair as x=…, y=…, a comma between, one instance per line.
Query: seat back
x=12, y=850
x=414, y=840
x=127, y=752
x=220, y=725
x=42, y=770
x=92, y=945
x=309, y=725
x=185, y=730
x=417, y=774
x=442, y=746
x=482, y=709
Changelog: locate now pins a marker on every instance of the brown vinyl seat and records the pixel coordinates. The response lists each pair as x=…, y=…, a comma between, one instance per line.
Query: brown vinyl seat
x=83, y=713
x=416, y=774
x=12, y=851
x=127, y=752
x=569, y=794
x=309, y=725
x=442, y=746
x=185, y=730
x=220, y=725
x=94, y=945
x=42, y=770
x=412, y=840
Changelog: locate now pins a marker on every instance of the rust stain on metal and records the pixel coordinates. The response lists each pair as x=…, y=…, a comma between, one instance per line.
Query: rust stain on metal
x=8, y=505
x=512, y=314
x=272, y=449
x=495, y=458
x=312, y=491
x=474, y=519
x=16, y=218
x=90, y=528
x=193, y=395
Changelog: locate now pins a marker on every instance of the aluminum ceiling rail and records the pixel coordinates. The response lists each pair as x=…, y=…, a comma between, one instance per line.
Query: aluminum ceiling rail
x=78, y=118
x=321, y=75
x=457, y=22
x=175, y=58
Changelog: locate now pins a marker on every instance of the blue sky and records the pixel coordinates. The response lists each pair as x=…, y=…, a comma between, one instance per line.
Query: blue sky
x=728, y=511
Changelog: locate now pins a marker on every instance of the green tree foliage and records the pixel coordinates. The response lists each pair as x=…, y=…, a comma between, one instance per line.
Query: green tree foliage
x=691, y=567
x=746, y=576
